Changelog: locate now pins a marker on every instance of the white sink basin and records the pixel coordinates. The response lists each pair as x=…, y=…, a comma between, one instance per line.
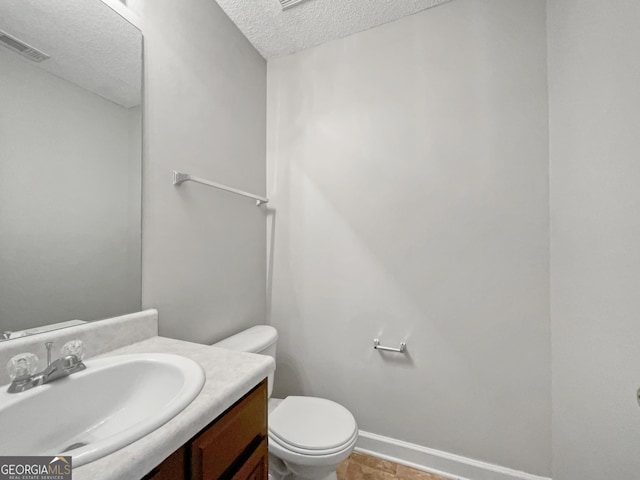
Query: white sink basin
x=90, y=414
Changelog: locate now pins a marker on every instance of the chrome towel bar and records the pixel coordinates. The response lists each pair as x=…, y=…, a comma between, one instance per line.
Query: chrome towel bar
x=377, y=346
x=179, y=178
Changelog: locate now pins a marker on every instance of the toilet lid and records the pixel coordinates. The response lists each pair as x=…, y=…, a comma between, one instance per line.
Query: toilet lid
x=312, y=423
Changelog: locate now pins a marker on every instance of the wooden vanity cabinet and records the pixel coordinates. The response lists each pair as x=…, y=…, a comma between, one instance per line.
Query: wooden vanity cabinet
x=171, y=469
x=234, y=446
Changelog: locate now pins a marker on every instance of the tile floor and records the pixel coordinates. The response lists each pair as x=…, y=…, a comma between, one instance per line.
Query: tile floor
x=364, y=467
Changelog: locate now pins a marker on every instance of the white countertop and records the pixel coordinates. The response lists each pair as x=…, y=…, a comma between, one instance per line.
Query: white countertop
x=229, y=376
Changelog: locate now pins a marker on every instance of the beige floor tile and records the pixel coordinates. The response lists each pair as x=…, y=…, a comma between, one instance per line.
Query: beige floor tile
x=341, y=471
x=406, y=473
x=375, y=463
x=358, y=471
x=365, y=467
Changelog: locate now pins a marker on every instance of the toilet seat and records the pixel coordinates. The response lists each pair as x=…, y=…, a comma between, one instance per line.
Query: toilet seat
x=313, y=427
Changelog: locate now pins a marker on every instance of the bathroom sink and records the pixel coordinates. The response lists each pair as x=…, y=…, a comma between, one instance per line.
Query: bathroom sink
x=114, y=402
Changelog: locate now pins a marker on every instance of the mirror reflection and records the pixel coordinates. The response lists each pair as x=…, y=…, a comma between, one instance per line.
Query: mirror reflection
x=70, y=164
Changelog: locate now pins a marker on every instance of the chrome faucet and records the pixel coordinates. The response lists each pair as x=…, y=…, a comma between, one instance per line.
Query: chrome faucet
x=48, y=346
x=22, y=367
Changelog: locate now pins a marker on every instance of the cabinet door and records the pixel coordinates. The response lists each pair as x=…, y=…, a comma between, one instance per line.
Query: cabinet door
x=171, y=469
x=257, y=465
x=216, y=452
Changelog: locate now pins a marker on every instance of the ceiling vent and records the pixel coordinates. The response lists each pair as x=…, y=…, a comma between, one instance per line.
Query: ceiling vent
x=21, y=48
x=287, y=4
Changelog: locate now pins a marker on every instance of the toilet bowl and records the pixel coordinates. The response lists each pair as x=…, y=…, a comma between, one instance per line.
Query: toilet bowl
x=308, y=436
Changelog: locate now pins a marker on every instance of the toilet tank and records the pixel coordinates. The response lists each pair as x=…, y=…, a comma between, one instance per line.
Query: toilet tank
x=260, y=339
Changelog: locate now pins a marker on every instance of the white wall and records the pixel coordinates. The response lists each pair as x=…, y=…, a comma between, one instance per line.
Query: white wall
x=69, y=218
x=594, y=85
x=408, y=166
x=205, y=113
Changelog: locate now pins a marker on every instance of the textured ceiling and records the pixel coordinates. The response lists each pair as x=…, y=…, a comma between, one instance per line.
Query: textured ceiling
x=89, y=44
x=275, y=33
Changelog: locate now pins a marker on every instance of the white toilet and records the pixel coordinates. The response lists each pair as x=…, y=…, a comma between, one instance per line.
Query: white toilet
x=308, y=436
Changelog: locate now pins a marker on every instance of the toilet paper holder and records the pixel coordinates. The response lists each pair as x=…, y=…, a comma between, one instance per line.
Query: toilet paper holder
x=377, y=346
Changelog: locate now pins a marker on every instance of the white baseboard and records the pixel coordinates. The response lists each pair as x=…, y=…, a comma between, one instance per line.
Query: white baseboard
x=440, y=463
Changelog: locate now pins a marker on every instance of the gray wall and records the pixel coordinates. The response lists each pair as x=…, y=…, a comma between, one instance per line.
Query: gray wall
x=205, y=113
x=69, y=200
x=594, y=85
x=408, y=165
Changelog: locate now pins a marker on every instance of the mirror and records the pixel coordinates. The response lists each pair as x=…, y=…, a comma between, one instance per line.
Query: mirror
x=70, y=164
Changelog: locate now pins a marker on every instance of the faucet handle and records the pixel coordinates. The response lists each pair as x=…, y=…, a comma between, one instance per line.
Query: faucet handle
x=74, y=347
x=22, y=366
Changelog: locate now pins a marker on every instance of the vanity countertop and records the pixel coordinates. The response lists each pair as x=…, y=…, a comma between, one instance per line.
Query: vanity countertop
x=229, y=376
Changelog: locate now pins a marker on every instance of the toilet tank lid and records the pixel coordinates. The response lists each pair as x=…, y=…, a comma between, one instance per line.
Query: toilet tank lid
x=253, y=340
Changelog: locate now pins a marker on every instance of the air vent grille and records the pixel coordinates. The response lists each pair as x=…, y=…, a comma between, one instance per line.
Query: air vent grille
x=287, y=4
x=22, y=48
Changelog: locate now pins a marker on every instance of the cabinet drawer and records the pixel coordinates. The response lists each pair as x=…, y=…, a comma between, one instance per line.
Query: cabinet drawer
x=238, y=431
x=257, y=465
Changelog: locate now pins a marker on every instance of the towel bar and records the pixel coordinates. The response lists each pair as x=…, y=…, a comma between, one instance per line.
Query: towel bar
x=377, y=346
